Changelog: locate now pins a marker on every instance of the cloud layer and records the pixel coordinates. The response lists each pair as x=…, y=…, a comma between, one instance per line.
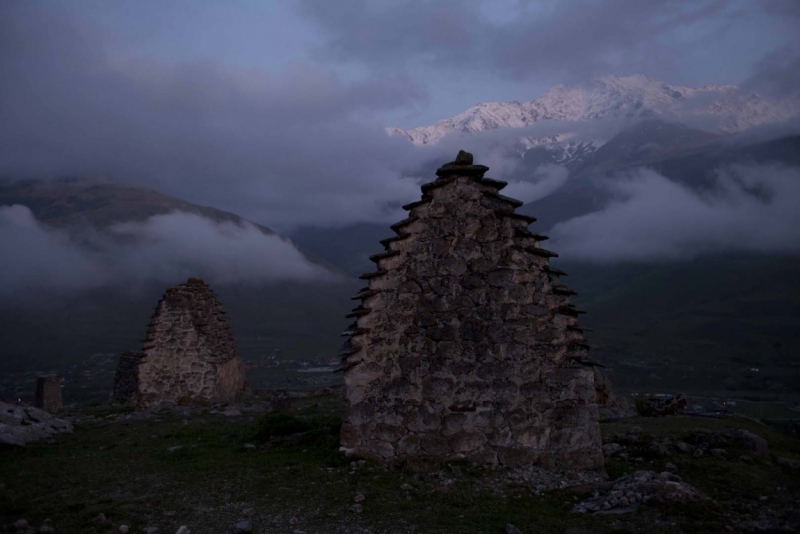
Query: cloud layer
x=559, y=41
x=751, y=209
x=164, y=249
x=299, y=146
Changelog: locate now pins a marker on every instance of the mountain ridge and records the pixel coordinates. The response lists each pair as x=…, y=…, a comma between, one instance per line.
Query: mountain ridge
x=613, y=97
x=73, y=204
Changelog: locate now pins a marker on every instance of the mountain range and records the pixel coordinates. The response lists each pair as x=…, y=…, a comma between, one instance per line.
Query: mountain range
x=612, y=97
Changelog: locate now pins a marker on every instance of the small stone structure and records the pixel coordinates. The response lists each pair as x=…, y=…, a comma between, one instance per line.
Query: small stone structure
x=465, y=344
x=188, y=356
x=48, y=393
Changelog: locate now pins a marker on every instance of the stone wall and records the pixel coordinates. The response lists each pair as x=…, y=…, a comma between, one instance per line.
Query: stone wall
x=465, y=344
x=48, y=393
x=188, y=356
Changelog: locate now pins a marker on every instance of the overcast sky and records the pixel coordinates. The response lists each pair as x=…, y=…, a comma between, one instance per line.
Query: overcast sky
x=276, y=110
x=454, y=53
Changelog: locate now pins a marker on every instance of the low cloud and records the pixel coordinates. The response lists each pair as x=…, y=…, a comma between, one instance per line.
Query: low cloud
x=163, y=249
x=546, y=180
x=34, y=256
x=751, y=209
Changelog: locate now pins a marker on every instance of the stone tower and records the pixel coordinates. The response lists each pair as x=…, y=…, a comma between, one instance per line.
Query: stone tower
x=48, y=392
x=465, y=344
x=189, y=354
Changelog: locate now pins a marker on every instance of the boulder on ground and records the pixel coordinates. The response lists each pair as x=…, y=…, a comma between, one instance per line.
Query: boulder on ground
x=20, y=425
x=626, y=493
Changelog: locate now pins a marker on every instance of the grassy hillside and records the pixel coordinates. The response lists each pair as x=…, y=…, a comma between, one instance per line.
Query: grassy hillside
x=722, y=325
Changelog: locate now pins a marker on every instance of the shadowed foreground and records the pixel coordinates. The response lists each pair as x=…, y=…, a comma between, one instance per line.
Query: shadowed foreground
x=283, y=473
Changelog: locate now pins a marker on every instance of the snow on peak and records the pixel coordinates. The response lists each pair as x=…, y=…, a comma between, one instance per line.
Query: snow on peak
x=613, y=97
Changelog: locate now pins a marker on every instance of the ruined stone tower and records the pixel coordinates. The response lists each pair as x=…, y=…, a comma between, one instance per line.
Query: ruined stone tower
x=466, y=344
x=48, y=392
x=189, y=354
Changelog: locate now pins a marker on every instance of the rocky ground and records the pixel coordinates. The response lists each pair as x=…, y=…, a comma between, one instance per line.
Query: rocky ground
x=240, y=469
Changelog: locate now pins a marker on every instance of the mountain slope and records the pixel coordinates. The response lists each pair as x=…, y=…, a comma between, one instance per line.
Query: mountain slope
x=78, y=204
x=613, y=97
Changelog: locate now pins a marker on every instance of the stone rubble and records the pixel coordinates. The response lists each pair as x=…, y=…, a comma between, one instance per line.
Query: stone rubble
x=189, y=355
x=628, y=492
x=20, y=425
x=465, y=344
x=536, y=478
x=697, y=444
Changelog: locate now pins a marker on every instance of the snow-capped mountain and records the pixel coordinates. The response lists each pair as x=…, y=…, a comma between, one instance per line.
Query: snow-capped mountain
x=613, y=97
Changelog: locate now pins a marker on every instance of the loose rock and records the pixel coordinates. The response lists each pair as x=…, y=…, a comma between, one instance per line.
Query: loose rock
x=20, y=425
x=628, y=492
x=753, y=442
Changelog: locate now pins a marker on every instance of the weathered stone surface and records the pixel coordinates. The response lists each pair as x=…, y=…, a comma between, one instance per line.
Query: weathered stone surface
x=467, y=345
x=188, y=356
x=48, y=393
x=20, y=425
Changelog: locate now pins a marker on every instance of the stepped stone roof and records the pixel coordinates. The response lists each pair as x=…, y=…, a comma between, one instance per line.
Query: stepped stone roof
x=465, y=344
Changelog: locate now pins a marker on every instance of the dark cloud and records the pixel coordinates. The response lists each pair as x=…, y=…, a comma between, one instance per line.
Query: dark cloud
x=563, y=41
x=778, y=74
x=302, y=146
x=751, y=209
x=162, y=249
x=295, y=147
